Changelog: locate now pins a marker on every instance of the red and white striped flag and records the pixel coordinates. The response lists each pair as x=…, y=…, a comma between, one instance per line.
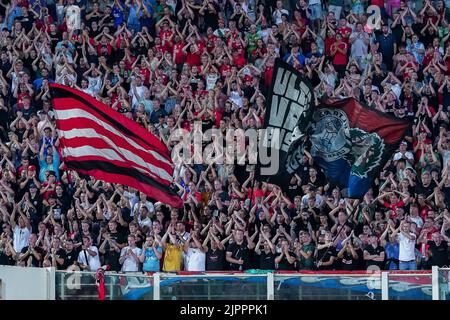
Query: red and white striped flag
x=98, y=141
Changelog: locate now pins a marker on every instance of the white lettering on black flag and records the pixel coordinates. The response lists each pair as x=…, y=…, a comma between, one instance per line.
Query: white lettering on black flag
x=288, y=115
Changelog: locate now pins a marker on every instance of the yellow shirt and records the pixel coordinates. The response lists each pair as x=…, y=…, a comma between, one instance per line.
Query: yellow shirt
x=172, y=258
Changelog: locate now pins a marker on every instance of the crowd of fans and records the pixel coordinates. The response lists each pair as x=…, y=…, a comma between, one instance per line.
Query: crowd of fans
x=168, y=63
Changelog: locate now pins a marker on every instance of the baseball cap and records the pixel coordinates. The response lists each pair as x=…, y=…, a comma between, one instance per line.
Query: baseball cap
x=33, y=185
x=404, y=142
x=376, y=89
x=31, y=168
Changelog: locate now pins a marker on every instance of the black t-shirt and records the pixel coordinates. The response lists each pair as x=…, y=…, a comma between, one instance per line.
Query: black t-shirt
x=70, y=258
x=239, y=252
x=360, y=263
x=439, y=254
x=57, y=210
x=267, y=261
x=294, y=190
x=211, y=18
x=65, y=203
x=60, y=253
x=372, y=251
x=284, y=263
x=215, y=260
x=26, y=22
x=111, y=258
x=347, y=262
x=117, y=236
x=6, y=260
x=34, y=262
x=325, y=255
x=420, y=188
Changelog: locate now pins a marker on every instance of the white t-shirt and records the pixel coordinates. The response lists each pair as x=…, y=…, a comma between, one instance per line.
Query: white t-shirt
x=73, y=17
x=195, y=260
x=137, y=206
x=21, y=238
x=130, y=263
x=319, y=200
x=417, y=220
x=407, y=247
x=211, y=80
x=146, y=222
x=140, y=91
x=95, y=84
x=132, y=197
x=277, y=15
x=94, y=262
x=236, y=98
x=221, y=32
x=407, y=154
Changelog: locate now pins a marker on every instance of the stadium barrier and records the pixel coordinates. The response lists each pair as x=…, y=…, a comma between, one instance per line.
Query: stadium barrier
x=35, y=283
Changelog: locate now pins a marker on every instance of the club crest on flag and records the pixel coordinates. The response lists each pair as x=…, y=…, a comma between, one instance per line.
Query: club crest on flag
x=367, y=149
x=330, y=136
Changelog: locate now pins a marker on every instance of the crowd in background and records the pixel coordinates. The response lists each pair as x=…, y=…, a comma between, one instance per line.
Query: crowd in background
x=169, y=63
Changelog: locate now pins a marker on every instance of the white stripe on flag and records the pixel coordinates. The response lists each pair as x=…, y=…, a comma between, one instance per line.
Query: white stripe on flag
x=91, y=133
x=108, y=154
x=80, y=113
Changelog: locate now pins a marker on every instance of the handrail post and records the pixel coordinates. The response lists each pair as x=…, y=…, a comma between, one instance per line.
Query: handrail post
x=385, y=285
x=435, y=282
x=156, y=286
x=270, y=286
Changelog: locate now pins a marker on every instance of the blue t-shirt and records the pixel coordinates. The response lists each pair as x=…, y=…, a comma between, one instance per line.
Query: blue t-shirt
x=392, y=253
x=300, y=58
x=151, y=261
x=118, y=15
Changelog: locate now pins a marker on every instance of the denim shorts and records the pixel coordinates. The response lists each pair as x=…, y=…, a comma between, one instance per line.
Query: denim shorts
x=316, y=12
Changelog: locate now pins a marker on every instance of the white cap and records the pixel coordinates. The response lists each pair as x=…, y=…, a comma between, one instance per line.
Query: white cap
x=396, y=90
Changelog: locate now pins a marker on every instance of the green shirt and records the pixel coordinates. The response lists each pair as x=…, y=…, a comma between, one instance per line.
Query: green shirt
x=307, y=264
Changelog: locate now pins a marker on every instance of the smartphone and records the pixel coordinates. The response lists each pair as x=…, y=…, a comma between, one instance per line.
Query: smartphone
x=216, y=213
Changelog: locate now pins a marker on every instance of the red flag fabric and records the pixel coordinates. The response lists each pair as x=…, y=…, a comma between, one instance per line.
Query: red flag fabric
x=98, y=141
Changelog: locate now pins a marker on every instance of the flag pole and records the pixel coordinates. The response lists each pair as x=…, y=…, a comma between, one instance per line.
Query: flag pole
x=251, y=193
x=76, y=214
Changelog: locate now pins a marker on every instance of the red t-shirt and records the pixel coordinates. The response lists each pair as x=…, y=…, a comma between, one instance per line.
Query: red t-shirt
x=239, y=61
x=268, y=74
x=394, y=206
x=210, y=40
x=193, y=59
x=345, y=32
x=379, y=3
x=419, y=151
x=50, y=191
x=340, y=58
x=146, y=73
x=223, y=69
x=180, y=56
x=328, y=42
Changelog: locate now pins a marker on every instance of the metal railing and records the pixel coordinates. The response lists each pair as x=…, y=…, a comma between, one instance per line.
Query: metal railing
x=378, y=285
x=442, y=290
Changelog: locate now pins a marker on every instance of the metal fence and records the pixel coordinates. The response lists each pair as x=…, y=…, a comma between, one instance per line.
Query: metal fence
x=378, y=285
